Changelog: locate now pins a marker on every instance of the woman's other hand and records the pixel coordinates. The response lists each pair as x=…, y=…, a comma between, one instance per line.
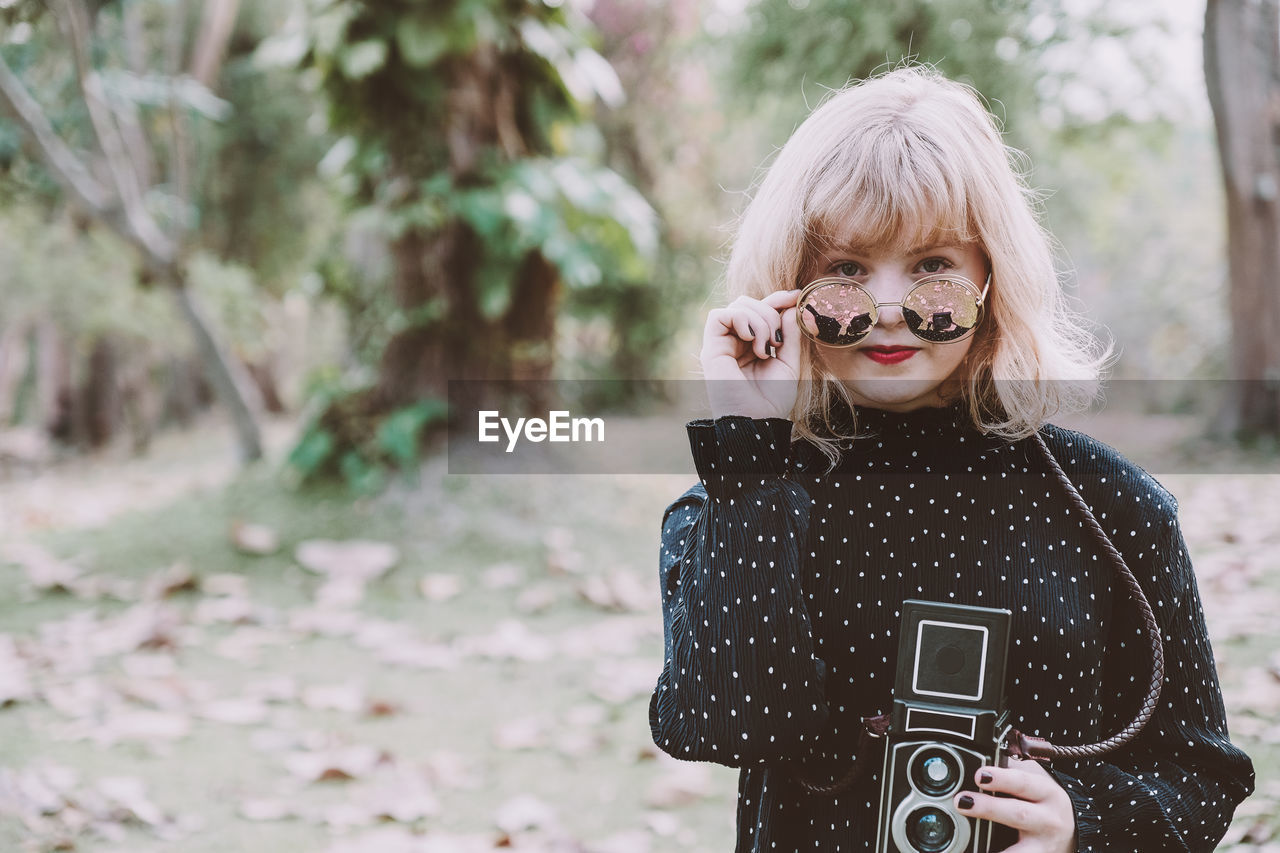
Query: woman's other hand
x=1037, y=807
x=756, y=340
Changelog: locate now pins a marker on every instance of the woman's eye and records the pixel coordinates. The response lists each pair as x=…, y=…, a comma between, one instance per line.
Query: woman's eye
x=935, y=265
x=847, y=268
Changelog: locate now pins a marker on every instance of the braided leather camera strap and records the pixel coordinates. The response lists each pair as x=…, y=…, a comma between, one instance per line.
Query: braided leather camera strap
x=1016, y=743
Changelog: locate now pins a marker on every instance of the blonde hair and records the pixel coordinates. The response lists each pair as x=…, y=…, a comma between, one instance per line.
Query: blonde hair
x=905, y=159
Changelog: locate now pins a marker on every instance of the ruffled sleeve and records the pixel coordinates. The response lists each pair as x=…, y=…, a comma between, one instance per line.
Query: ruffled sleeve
x=740, y=683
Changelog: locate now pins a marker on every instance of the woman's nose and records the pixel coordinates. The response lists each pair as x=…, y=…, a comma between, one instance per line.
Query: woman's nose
x=889, y=315
x=889, y=290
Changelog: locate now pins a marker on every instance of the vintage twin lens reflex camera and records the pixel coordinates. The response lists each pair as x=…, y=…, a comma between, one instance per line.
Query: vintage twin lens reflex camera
x=949, y=719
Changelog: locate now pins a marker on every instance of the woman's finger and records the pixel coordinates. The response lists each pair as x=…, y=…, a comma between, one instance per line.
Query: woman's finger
x=789, y=349
x=1026, y=780
x=1018, y=814
x=742, y=325
x=766, y=323
x=718, y=336
x=781, y=299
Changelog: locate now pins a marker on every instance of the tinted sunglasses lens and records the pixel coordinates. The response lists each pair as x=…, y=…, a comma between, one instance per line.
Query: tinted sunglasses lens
x=837, y=314
x=940, y=311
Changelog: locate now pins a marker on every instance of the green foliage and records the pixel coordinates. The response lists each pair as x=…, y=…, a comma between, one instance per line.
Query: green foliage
x=459, y=118
x=585, y=220
x=84, y=281
x=400, y=433
x=386, y=441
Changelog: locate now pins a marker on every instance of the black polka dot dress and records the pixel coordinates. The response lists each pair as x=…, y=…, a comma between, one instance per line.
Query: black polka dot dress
x=781, y=588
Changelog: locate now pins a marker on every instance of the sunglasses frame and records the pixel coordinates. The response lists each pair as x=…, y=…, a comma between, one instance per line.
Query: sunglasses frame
x=980, y=298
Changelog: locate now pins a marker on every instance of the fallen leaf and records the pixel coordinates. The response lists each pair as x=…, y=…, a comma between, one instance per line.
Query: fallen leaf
x=267, y=809
x=232, y=610
x=578, y=742
x=421, y=656
x=275, y=688
x=620, y=681
x=226, y=583
x=618, y=592
x=510, y=639
x=521, y=733
x=15, y=677
x=325, y=621
x=358, y=558
x=562, y=557
x=243, y=711
x=440, y=587
x=627, y=841
x=524, y=812
x=45, y=572
x=336, y=764
x=168, y=582
x=255, y=539
x=502, y=576
x=662, y=824
x=129, y=793
x=681, y=783
x=145, y=726
x=346, y=696
x=245, y=643
x=340, y=592
x=537, y=598
x=453, y=770
x=400, y=794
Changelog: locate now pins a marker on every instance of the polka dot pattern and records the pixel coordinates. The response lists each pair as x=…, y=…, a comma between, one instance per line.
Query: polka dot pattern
x=781, y=584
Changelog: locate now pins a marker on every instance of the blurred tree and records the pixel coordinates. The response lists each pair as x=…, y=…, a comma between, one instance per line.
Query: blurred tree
x=122, y=187
x=662, y=138
x=1242, y=68
x=474, y=204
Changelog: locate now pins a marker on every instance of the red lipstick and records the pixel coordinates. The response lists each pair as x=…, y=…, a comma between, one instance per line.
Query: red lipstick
x=889, y=355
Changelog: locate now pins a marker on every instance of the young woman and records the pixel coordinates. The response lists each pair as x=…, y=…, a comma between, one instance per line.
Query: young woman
x=898, y=340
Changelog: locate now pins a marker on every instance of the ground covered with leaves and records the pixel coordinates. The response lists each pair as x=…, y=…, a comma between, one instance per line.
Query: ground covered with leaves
x=197, y=663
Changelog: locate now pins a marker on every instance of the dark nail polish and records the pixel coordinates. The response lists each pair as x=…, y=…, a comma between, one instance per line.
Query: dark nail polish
x=777, y=336
x=966, y=802
x=984, y=778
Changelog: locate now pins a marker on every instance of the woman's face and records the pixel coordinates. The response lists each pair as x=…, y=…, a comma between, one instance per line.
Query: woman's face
x=873, y=376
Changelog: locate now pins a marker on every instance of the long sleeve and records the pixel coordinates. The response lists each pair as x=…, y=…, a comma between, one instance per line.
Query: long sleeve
x=1176, y=785
x=740, y=683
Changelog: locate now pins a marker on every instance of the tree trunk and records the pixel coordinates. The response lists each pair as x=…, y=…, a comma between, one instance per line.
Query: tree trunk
x=233, y=389
x=15, y=350
x=100, y=392
x=1242, y=69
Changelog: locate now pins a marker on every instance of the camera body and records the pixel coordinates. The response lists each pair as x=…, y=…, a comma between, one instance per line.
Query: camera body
x=949, y=718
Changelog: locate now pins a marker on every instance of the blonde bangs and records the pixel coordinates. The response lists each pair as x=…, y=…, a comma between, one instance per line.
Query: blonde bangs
x=888, y=190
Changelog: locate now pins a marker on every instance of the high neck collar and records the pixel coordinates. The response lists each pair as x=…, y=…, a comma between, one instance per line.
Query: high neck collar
x=930, y=439
x=926, y=421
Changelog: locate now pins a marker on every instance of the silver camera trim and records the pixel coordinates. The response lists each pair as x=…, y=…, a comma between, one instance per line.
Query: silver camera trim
x=898, y=823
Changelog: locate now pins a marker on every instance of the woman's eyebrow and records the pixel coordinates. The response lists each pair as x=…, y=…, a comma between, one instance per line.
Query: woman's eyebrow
x=933, y=247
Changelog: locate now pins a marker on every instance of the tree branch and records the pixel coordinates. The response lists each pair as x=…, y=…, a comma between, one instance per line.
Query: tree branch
x=212, y=39
x=61, y=160
x=130, y=123
x=160, y=250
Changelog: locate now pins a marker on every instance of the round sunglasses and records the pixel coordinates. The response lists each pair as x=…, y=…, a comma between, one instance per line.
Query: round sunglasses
x=942, y=309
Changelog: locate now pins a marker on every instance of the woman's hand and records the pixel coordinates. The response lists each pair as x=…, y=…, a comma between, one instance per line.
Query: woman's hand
x=1040, y=809
x=756, y=340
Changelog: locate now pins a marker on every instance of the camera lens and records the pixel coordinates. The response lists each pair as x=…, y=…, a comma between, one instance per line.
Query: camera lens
x=935, y=772
x=930, y=829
